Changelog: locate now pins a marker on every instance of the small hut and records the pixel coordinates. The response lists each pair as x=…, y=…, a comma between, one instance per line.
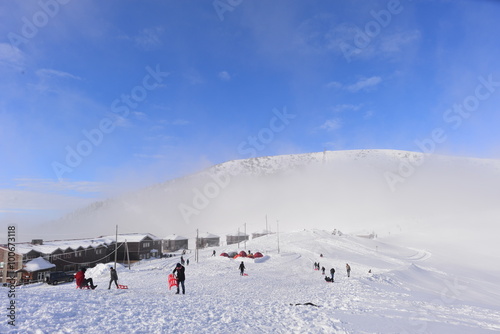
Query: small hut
x=36, y=270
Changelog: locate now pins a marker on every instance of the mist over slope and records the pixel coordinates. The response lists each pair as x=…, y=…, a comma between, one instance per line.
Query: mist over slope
x=360, y=190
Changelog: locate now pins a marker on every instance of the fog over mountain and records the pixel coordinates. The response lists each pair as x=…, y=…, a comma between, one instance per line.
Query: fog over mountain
x=385, y=191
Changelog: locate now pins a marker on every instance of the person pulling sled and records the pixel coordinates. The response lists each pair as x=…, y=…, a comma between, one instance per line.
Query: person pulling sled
x=179, y=273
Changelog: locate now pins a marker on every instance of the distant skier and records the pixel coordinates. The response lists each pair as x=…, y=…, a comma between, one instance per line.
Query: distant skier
x=182, y=260
x=348, y=268
x=322, y=270
x=187, y=262
x=81, y=281
x=242, y=268
x=179, y=273
x=332, y=273
x=213, y=253
x=113, y=277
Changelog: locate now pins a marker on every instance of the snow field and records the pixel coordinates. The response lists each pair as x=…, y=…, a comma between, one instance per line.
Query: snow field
x=404, y=294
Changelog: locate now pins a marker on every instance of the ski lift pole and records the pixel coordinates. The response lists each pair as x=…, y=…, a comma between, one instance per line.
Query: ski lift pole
x=116, y=245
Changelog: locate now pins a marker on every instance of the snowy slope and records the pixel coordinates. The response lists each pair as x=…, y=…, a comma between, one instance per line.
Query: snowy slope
x=353, y=190
x=407, y=292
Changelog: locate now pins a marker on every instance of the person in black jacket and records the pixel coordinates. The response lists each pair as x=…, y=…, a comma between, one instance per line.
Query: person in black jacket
x=114, y=277
x=179, y=273
x=332, y=272
x=242, y=268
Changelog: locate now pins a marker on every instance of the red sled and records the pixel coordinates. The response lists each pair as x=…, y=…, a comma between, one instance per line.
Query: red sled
x=172, y=281
x=122, y=286
x=84, y=287
x=245, y=274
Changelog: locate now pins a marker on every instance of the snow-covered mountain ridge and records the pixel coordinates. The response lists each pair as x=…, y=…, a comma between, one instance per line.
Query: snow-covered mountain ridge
x=341, y=189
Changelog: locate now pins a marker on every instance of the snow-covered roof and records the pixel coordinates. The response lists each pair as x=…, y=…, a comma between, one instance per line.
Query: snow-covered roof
x=133, y=237
x=38, y=264
x=208, y=236
x=264, y=231
x=48, y=247
x=241, y=234
x=175, y=237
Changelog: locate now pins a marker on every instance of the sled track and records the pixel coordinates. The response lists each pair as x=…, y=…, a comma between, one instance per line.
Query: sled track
x=420, y=255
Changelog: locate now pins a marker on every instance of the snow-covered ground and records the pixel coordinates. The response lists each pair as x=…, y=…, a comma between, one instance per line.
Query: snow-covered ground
x=409, y=290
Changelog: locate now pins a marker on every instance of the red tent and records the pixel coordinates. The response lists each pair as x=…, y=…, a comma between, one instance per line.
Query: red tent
x=243, y=254
x=258, y=254
x=224, y=254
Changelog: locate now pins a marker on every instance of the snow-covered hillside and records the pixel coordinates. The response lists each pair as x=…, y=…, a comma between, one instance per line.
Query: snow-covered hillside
x=344, y=189
x=408, y=291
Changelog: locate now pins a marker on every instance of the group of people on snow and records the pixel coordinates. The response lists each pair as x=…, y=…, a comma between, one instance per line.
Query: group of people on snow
x=332, y=272
x=88, y=283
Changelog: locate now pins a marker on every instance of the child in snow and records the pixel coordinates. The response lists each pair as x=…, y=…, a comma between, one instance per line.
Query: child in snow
x=322, y=270
x=242, y=268
x=332, y=272
x=114, y=277
x=348, y=268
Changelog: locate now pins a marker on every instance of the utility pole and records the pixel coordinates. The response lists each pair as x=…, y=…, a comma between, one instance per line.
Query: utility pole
x=278, y=234
x=196, y=251
x=238, y=237
x=245, y=236
x=128, y=256
x=116, y=245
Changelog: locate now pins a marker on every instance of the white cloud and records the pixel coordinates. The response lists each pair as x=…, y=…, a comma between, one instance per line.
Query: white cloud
x=225, y=76
x=11, y=56
x=149, y=38
x=150, y=156
x=395, y=42
x=159, y=137
x=334, y=84
x=140, y=115
x=369, y=114
x=119, y=121
x=180, y=122
x=193, y=77
x=364, y=84
x=41, y=204
x=60, y=186
x=45, y=72
x=346, y=107
x=331, y=124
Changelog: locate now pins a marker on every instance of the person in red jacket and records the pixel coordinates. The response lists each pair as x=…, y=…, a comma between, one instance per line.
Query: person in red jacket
x=81, y=281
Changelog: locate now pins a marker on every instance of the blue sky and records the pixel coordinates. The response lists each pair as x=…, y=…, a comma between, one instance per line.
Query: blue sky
x=100, y=97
